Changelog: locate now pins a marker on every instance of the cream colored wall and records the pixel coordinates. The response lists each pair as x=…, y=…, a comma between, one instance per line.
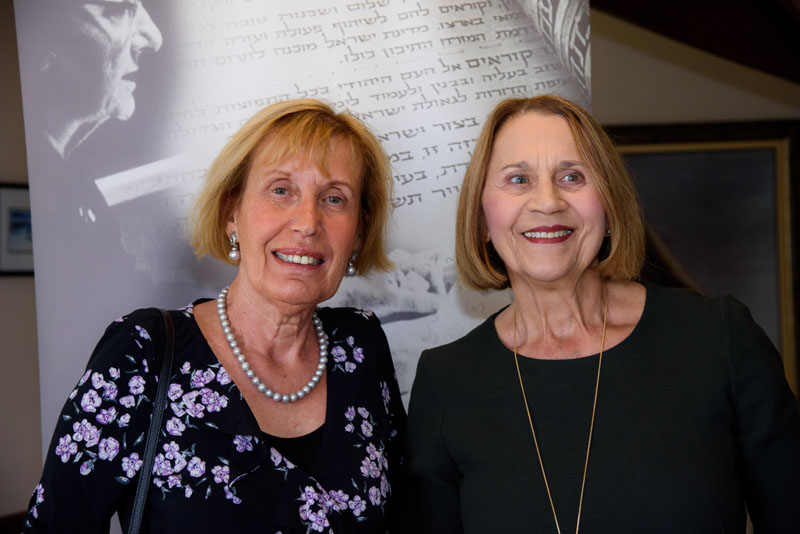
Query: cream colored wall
x=20, y=457
x=638, y=77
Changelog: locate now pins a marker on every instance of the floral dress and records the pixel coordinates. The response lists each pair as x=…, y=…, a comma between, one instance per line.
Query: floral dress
x=215, y=470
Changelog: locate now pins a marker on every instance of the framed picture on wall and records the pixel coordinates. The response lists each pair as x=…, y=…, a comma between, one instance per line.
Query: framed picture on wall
x=16, y=238
x=718, y=206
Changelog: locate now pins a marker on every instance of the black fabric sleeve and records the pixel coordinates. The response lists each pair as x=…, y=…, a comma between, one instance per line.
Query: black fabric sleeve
x=767, y=423
x=96, y=452
x=434, y=476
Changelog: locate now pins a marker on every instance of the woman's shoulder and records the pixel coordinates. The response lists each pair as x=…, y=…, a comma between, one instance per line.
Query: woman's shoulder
x=348, y=317
x=688, y=305
x=469, y=350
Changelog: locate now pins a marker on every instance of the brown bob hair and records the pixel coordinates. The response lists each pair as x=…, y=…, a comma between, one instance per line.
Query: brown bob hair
x=308, y=128
x=622, y=254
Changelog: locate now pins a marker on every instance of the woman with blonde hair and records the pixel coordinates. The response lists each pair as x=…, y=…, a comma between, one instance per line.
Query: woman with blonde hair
x=281, y=416
x=593, y=402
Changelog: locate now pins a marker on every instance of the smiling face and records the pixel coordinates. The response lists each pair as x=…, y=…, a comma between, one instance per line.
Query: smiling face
x=543, y=213
x=113, y=35
x=297, y=226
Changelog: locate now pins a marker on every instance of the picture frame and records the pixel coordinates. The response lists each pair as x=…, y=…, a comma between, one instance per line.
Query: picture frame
x=16, y=237
x=718, y=206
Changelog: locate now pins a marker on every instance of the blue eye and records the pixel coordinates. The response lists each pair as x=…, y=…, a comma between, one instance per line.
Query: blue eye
x=280, y=191
x=518, y=179
x=332, y=199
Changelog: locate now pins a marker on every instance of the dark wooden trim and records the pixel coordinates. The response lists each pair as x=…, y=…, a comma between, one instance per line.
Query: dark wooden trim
x=12, y=524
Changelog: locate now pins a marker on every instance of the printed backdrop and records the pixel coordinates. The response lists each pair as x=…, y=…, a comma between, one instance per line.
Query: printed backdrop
x=126, y=103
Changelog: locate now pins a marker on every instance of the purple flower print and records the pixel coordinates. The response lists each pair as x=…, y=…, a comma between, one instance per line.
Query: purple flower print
x=372, y=451
x=309, y=495
x=109, y=448
x=180, y=463
x=187, y=491
x=145, y=366
x=232, y=496
x=197, y=467
x=86, y=432
x=349, y=427
x=358, y=354
x=136, y=385
x=375, y=496
x=196, y=410
x=128, y=401
x=357, y=505
x=366, y=429
x=243, y=443
x=110, y=391
x=222, y=377
x=213, y=401
x=186, y=368
x=340, y=499
x=39, y=492
x=275, y=456
x=350, y=413
x=174, y=480
x=385, y=392
x=85, y=377
x=161, y=466
x=171, y=450
x=98, y=380
x=369, y=468
x=201, y=378
x=363, y=412
x=113, y=372
x=175, y=427
x=142, y=332
x=386, y=488
x=177, y=409
x=90, y=401
x=157, y=482
x=106, y=416
x=319, y=521
x=221, y=473
x=87, y=467
x=174, y=392
x=338, y=354
x=365, y=313
x=124, y=420
x=350, y=340
x=131, y=464
x=66, y=448
x=349, y=367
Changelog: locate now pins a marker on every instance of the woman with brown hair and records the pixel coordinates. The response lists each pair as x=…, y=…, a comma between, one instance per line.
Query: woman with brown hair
x=593, y=401
x=281, y=416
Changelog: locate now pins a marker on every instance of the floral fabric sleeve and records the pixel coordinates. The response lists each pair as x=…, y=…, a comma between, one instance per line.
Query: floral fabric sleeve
x=96, y=451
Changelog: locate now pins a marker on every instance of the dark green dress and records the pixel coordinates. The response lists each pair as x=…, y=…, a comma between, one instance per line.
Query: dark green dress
x=694, y=421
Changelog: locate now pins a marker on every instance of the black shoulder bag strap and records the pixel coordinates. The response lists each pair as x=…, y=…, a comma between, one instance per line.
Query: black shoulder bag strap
x=155, y=425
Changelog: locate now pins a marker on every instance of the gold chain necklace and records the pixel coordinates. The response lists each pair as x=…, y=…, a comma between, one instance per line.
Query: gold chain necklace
x=591, y=425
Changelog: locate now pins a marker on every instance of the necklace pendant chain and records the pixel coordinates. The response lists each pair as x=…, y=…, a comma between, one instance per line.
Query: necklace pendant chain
x=322, y=339
x=591, y=425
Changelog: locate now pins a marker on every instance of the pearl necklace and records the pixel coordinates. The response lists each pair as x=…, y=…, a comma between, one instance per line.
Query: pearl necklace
x=322, y=338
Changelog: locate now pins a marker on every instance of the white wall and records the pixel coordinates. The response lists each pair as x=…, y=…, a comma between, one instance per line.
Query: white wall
x=638, y=77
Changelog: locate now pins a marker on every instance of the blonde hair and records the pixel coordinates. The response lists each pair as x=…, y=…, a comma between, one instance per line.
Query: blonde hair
x=307, y=128
x=479, y=265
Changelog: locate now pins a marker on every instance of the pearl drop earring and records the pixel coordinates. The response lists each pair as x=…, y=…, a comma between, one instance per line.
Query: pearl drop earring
x=234, y=252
